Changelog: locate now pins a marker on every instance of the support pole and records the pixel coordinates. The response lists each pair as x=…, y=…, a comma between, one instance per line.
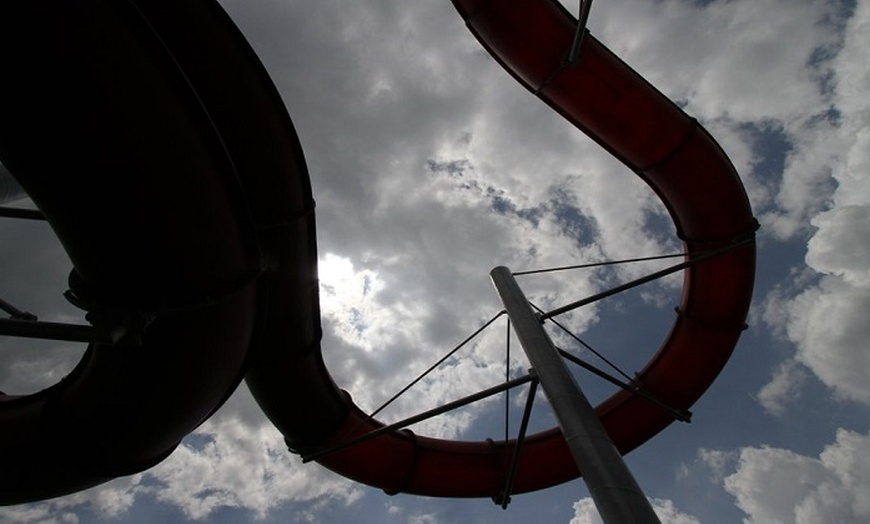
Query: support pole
x=616, y=494
x=17, y=327
x=580, y=32
x=10, y=190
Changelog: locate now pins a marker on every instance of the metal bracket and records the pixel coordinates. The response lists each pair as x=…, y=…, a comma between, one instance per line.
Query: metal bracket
x=106, y=329
x=580, y=33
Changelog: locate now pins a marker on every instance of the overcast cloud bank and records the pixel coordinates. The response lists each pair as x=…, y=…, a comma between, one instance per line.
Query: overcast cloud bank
x=827, y=320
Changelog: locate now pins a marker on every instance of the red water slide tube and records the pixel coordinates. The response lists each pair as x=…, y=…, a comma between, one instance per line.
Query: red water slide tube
x=627, y=116
x=151, y=138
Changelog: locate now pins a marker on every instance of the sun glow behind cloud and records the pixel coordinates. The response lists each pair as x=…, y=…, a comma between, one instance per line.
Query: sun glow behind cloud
x=347, y=298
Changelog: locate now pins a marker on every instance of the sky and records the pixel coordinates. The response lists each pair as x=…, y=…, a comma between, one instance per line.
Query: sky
x=430, y=166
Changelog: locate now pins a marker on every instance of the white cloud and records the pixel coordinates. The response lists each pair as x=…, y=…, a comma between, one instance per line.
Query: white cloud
x=765, y=63
x=775, y=485
x=423, y=519
x=347, y=298
x=37, y=514
x=827, y=321
x=693, y=53
x=841, y=246
x=784, y=389
x=240, y=466
x=717, y=462
x=829, y=324
x=807, y=183
x=110, y=500
x=586, y=513
x=229, y=462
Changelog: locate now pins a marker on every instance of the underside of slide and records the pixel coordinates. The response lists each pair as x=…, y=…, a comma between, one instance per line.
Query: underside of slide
x=151, y=138
x=616, y=107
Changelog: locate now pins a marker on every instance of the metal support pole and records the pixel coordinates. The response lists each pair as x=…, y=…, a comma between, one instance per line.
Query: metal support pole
x=616, y=494
x=15, y=327
x=15, y=312
x=10, y=190
x=17, y=212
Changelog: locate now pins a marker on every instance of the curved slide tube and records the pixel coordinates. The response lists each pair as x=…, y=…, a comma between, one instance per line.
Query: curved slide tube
x=151, y=138
x=627, y=116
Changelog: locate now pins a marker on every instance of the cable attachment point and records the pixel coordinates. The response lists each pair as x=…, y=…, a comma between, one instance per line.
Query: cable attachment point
x=580, y=33
x=117, y=325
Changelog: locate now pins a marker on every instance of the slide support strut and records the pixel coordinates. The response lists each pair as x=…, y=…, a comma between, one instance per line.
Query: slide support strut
x=616, y=494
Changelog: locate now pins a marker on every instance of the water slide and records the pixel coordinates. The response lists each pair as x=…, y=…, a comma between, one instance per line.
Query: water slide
x=607, y=100
x=159, y=151
x=199, y=242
